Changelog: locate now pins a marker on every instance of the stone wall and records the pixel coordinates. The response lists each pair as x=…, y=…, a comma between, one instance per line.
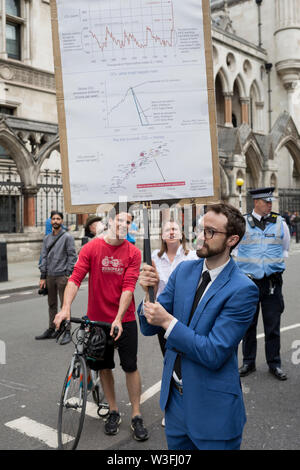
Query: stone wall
x=27, y=247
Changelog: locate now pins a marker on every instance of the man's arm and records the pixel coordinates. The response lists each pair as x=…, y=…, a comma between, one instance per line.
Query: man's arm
x=43, y=263
x=128, y=286
x=286, y=239
x=125, y=301
x=72, y=256
x=149, y=277
x=69, y=295
x=154, y=316
x=230, y=326
x=79, y=272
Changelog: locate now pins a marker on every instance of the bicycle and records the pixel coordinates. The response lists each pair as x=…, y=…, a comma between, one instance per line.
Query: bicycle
x=79, y=382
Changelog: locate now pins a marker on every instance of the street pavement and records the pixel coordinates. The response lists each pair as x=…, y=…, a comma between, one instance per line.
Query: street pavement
x=32, y=375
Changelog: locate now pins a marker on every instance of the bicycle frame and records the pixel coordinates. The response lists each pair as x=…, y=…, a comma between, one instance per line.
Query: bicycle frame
x=92, y=376
x=85, y=381
x=78, y=351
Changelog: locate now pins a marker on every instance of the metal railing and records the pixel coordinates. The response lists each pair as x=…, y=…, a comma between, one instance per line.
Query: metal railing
x=49, y=197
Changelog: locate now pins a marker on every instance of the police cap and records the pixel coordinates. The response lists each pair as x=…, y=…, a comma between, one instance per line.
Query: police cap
x=263, y=193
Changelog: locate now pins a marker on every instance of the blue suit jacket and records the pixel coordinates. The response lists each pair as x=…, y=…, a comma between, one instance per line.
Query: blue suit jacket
x=212, y=396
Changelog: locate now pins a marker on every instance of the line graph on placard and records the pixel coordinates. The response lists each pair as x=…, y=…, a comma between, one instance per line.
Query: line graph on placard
x=140, y=113
x=143, y=104
x=129, y=26
x=148, y=33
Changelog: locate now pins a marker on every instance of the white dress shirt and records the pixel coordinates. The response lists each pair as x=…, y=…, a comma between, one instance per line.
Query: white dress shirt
x=214, y=273
x=165, y=267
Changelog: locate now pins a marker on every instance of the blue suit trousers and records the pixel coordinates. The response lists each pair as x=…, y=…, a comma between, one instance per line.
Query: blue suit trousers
x=177, y=435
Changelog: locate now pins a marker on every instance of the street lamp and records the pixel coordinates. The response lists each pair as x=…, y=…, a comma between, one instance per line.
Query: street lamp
x=239, y=183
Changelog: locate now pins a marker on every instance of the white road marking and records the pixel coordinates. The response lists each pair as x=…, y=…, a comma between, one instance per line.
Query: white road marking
x=156, y=387
x=14, y=387
x=26, y=292
x=14, y=383
x=39, y=431
x=285, y=328
x=91, y=408
x=4, y=297
x=150, y=392
x=8, y=396
x=48, y=435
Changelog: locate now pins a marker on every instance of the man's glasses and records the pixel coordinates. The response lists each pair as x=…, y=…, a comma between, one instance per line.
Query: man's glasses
x=208, y=232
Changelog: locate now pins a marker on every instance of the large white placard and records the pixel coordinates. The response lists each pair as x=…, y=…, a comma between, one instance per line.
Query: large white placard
x=135, y=99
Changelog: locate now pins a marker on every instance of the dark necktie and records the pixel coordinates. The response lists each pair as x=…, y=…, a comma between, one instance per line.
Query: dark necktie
x=262, y=222
x=199, y=292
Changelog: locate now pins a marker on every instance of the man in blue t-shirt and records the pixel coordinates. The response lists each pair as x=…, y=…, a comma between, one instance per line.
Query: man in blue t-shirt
x=48, y=225
x=132, y=232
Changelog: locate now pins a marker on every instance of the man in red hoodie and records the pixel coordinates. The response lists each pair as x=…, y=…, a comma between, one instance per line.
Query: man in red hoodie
x=113, y=265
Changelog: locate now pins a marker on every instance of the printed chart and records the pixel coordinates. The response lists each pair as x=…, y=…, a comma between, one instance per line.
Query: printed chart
x=135, y=98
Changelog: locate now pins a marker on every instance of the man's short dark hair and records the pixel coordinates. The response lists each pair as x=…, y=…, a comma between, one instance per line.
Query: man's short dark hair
x=56, y=213
x=118, y=208
x=236, y=224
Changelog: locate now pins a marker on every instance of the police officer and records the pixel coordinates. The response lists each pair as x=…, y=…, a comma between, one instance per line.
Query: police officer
x=261, y=255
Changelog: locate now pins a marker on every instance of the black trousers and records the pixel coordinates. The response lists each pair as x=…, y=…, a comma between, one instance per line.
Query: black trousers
x=271, y=305
x=56, y=287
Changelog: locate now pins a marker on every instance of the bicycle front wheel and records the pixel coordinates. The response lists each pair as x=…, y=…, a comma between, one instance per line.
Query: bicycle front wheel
x=72, y=405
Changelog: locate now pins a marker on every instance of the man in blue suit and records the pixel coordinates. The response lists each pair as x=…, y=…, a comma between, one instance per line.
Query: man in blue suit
x=205, y=310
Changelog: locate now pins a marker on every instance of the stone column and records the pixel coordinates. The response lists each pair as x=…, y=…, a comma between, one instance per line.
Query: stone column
x=29, y=209
x=245, y=110
x=228, y=109
x=290, y=87
x=3, y=54
x=82, y=218
x=287, y=39
x=260, y=126
x=27, y=28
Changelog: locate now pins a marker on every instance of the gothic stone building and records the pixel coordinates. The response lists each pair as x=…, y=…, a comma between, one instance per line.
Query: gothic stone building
x=257, y=83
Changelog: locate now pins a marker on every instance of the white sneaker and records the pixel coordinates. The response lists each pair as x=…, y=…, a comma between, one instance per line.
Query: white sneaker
x=163, y=422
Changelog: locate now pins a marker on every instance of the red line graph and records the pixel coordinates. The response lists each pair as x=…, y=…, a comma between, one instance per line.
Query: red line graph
x=129, y=38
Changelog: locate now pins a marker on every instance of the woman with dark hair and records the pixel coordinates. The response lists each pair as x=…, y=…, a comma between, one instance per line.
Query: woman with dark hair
x=173, y=251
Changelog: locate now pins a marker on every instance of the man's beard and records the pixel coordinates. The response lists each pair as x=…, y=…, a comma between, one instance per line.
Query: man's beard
x=206, y=252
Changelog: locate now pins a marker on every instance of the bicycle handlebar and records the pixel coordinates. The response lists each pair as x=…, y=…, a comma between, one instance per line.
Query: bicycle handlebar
x=85, y=321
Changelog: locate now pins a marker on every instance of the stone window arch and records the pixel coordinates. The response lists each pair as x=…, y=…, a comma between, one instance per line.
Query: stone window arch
x=273, y=180
x=220, y=105
x=236, y=106
x=238, y=99
x=256, y=108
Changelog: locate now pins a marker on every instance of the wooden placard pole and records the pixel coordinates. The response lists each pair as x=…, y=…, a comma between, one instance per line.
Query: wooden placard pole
x=147, y=248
